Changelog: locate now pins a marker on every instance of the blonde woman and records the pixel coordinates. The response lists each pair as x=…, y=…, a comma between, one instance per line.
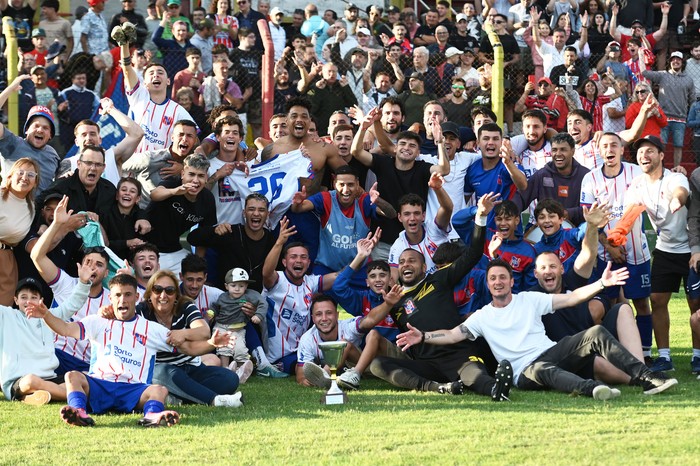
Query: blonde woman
x=16, y=215
x=655, y=121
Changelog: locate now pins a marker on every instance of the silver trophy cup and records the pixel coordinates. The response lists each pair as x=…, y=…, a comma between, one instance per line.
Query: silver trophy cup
x=332, y=355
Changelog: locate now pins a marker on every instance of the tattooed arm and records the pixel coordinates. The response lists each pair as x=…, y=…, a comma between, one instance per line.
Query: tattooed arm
x=438, y=337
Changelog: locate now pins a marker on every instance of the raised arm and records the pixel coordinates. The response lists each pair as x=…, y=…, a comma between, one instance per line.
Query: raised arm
x=609, y=278
x=507, y=155
x=13, y=88
x=47, y=269
x=444, y=212
x=357, y=149
x=134, y=133
x=630, y=135
x=378, y=313
x=443, y=165
x=437, y=337
x=613, y=23
x=597, y=216
x=269, y=273
x=534, y=20
x=663, y=27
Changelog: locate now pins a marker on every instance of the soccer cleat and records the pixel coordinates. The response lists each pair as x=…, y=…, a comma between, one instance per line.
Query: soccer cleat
x=350, y=379
x=662, y=365
x=316, y=375
x=244, y=370
x=229, y=401
x=655, y=383
x=76, y=417
x=163, y=418
x=118, y=35
x=604, y=393
x=452, y=388
x=695, y=365
x=271, y=372
x=38, y=398
x=504, y=381
x=129, y=32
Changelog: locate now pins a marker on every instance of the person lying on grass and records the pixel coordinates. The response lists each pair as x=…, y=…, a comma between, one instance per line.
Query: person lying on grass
x=512, y=326
x=125, y=351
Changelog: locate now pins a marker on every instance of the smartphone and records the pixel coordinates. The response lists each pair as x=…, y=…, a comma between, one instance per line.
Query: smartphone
x=531, y=79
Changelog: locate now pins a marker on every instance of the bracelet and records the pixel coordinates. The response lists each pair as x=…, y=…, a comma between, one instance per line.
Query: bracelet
x=422, y=336
x=602, y=285
x=126, y=61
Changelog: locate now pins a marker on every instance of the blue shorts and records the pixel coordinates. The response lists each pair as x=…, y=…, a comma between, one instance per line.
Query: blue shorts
x=677, y=129
x=287, y=364
x=67, y=363
x=638, y=284
x=113, y=396
x=692, y=284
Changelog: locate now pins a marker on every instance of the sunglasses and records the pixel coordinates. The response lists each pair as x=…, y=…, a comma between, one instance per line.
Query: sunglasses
x=641, y=91
x=457, y=86
x=169, y=290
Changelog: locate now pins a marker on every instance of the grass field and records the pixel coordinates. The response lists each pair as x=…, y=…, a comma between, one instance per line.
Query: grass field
x=283, y=423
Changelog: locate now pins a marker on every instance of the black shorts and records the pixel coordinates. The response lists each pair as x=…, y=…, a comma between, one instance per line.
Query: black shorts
x=16, y=395
x=668, y=270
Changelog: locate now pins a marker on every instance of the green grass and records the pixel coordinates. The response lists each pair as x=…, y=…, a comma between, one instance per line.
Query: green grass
x=283, y=423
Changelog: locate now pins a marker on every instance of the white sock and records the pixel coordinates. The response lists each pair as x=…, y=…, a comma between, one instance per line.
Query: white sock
x=696, y=353
x=260, y=358
x=665, y=353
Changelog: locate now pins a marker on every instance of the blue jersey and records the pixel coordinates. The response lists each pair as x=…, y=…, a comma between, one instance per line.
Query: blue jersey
x=471, y=294
x=521, y=256
x=566, y=243
x=360, y=302
x=479, y=181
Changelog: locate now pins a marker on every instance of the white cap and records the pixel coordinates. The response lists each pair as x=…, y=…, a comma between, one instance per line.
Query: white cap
x=677, y=55
x=275, y=11
x=460, y=17
x=237, y=275
x=364, y=31
x=452, y=51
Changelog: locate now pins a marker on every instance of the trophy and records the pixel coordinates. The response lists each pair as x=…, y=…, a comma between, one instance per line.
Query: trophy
x=332, y=354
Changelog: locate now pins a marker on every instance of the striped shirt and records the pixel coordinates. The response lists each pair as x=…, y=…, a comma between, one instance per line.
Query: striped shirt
x=156, y=120
x=588, y=155
x=533, y=160
x=596, y=187
x=62, y=287
x=125, y=351
x=288, y=313
x=222, y=37
x=348, y=330
x=206, y=298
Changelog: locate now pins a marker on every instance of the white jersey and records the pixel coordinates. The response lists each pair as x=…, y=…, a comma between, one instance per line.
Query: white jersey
x=348, y=330
x=156, y=120
x=588, y=155
x=596, y=187
x=671, y=228
x=433, y=236
x=125, y=351
x=277, y=179
x=514, y=332
x=111, y=172
x=229, y=206
x=533, y=160
x=288, y=313
x=62, y=287
x=206, y=298
x=454, y=184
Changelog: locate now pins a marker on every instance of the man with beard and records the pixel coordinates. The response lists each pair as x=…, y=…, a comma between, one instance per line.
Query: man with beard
x=639, y=29
x=151, y=167
x=72, y=354
x=342, y=139
x=552, y=101
x=149, y=105
x=559, y=179
x=539, y=151
x=178, y=204
x=425, y=35
x=609, y=184
x=457, y=107
x=381, y=89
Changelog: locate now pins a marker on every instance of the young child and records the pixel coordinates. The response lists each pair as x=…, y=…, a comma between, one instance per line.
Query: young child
x=227, y=314
x=566, y=242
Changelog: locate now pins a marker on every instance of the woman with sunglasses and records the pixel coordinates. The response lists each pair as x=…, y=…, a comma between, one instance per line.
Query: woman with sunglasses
x=16, y=214
x=186, y=377
x=655, y=121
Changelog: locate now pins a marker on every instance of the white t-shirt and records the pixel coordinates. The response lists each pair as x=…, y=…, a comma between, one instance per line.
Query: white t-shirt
x=156, y=120
x=671, y=228
x=125, y=351
x=613, y=125
x=454, y=184
x=596, y=187
x=62, y=287
x=552, y=57
x=348, y=330
x=288, y=313
x=433, y=236
x=515, y=332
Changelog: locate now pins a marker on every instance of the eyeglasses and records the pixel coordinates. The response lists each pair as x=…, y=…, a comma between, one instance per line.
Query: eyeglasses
x=641, y=91
x=457, y=86
x=169, y=290
x=242, y=2
x=28, y=174
x=92, y=164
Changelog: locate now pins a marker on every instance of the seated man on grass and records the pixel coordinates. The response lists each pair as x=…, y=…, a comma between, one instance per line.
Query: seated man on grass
x=513, y=328
x=125, y=351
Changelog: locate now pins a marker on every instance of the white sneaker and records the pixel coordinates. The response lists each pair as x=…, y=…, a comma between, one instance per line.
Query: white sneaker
x=244, y=370
x=350, y=379
x=316, y=375
x=604, y=393
x=229, y=401
x=233, y=366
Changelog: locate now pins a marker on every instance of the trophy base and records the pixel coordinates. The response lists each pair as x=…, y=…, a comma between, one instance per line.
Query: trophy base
x=334, y=398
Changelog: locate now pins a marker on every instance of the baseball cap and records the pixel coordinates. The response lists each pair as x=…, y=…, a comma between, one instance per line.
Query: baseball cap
x=55, y=50
x=417, y=75
x=355, y=50
x=351, y=6
x=206, y=23
x=40, y=111
x=614, y=46
x=29, y=282
x=364, y=31
x=276, y=11
x=469, y=50
x=173, y=2
x=545, y=79
x=677, y=55
x=452, y=51
x=449, y=127
x=94, y=2
x=237, y=275
x=460, y=17
x=36, y=68
x=651, y=139
x=637, y=21
x=38, y=32
x=393, y=9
